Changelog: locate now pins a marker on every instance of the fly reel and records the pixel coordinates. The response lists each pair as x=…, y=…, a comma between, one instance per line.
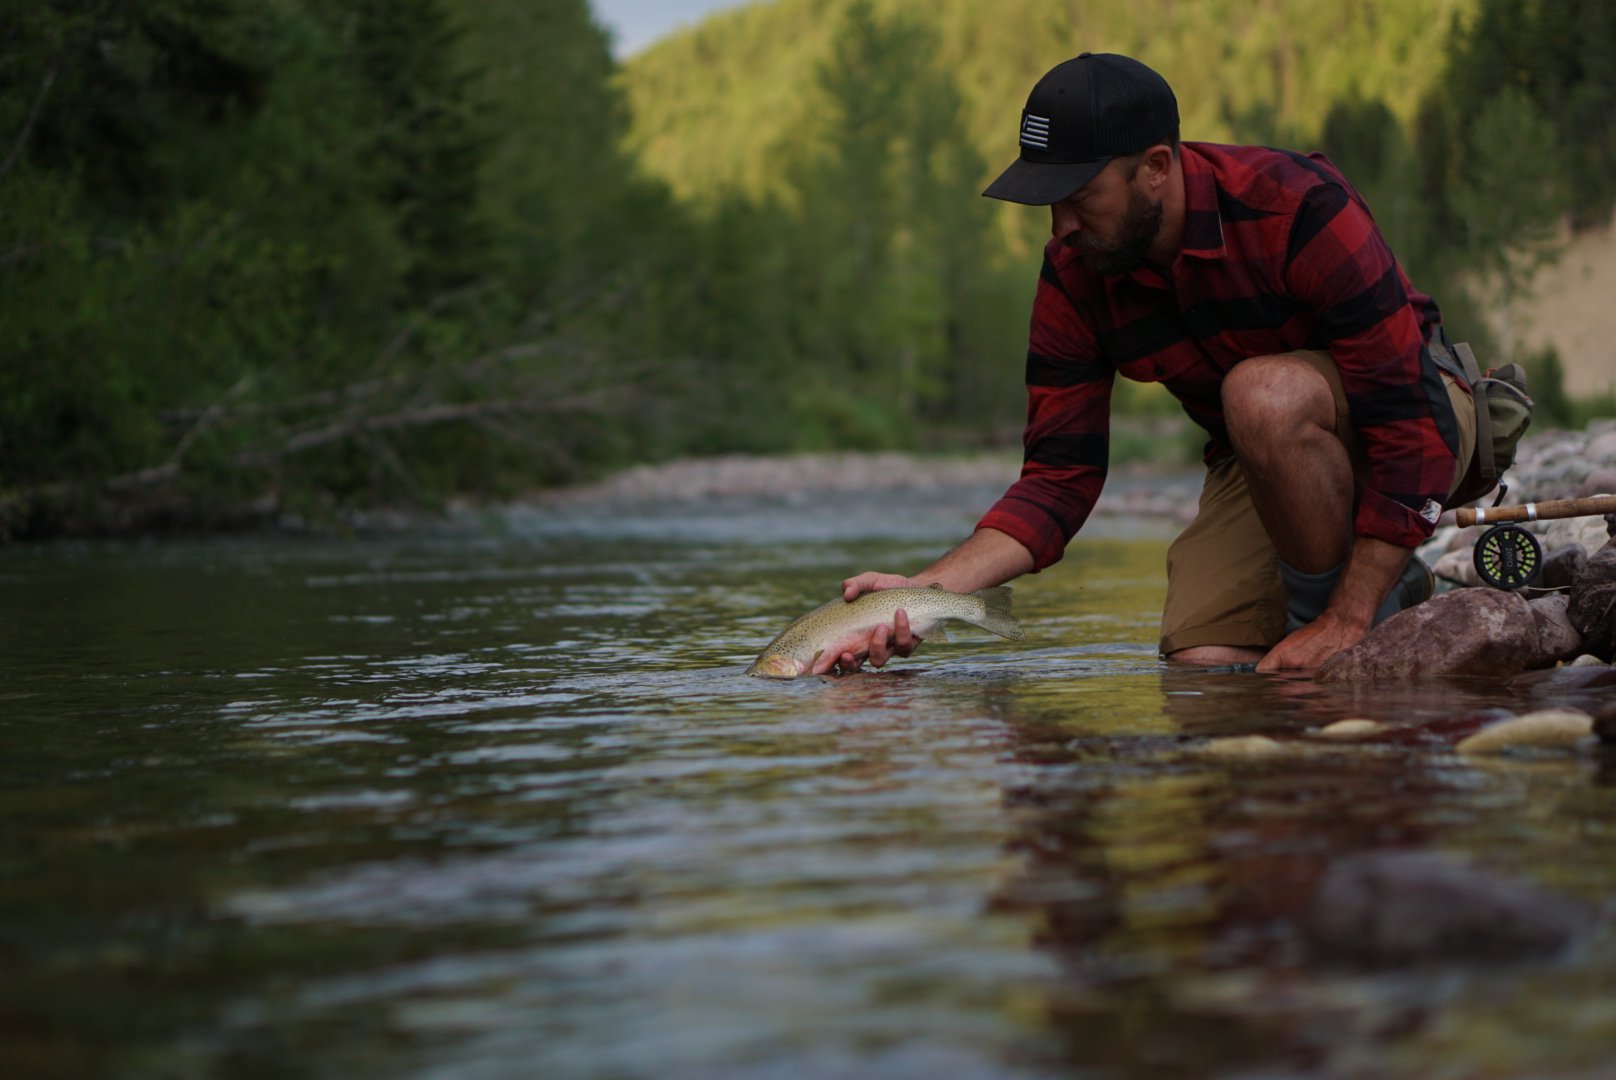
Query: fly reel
x=1507, y=557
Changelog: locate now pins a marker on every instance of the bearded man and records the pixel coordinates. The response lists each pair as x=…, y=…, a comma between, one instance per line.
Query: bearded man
x=1255, y=286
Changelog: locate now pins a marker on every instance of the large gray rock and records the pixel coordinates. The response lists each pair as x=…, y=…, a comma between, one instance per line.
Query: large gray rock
x=1392, y=907
x=1464, y=632
x=1557, y=639
x=1561, y=569
x=1593, y=603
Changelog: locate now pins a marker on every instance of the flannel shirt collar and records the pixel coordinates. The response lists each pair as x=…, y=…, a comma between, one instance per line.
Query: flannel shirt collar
x=1203, y=224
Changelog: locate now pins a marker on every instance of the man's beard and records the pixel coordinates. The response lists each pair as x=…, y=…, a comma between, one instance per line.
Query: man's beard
x=1140, y=224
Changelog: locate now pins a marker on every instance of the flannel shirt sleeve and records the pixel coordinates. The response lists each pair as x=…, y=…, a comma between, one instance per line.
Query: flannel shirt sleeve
x=1340, y=268
x=1066, y=441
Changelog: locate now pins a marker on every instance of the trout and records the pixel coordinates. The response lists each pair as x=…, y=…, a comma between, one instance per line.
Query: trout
x=841, y=623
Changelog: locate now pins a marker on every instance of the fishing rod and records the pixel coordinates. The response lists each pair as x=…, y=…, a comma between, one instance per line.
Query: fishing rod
x=1507, y=556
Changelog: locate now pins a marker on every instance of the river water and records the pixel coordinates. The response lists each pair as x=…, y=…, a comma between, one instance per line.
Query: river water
x=496, y=801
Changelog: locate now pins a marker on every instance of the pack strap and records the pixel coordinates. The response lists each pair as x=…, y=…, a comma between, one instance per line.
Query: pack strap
x=1486, y=467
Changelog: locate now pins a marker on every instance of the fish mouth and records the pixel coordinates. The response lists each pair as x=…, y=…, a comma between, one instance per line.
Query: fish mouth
x=778, y=666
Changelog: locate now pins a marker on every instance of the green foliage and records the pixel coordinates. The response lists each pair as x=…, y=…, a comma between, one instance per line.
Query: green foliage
x=1561, y=56
x=296, y=255
x=888, y=248
x=1512, y=207
x=1546, y=375
x=244, y=254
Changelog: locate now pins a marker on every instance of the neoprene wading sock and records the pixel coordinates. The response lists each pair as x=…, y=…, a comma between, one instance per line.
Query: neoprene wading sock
x=1305, y=594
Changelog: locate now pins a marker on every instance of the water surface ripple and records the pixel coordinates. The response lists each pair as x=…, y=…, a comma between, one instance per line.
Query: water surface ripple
x=496, y=801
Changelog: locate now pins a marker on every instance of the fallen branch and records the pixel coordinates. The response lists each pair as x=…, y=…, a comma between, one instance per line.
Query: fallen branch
x=486, y=412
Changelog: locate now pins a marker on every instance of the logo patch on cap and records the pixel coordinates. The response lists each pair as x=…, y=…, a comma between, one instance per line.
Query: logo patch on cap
x=1035, y=131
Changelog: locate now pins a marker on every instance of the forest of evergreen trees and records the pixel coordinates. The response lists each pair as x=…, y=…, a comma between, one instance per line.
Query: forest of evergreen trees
x=269, y=257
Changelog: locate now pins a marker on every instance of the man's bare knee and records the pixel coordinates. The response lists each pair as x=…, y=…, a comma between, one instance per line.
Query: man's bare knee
x=1216, y=655
x=1266, y=392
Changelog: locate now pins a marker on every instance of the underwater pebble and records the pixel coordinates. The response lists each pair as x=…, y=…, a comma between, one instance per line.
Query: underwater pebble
x=1401, y=907
x=1544, y=728
x=1242, y=748
x=1587, y=660
x=1605, y=725
x=1354, y=728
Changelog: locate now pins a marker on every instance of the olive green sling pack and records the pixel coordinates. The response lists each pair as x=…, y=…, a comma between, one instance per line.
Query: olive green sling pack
x=1503, y=413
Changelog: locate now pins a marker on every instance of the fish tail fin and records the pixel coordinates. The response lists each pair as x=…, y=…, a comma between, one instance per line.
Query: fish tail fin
x=996, y=617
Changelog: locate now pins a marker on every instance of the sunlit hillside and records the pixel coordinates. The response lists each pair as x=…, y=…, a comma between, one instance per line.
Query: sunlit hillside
x=1569, y=308
x=714, y=105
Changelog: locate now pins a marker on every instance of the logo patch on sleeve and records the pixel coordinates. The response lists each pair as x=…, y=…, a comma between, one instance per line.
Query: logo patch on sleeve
x=1431, y=510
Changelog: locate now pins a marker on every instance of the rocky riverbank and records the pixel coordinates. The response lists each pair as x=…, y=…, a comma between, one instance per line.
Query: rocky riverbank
x=1550, y=465
x=1557, y=635
x=1136, y=491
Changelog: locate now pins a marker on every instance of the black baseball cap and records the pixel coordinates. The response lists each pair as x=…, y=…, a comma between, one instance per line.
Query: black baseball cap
x=1083, y=113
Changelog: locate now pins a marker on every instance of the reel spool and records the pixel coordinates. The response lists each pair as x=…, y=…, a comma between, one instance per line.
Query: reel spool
x=1507, y=557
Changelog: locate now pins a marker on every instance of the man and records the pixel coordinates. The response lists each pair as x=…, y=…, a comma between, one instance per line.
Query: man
x=1254, y=284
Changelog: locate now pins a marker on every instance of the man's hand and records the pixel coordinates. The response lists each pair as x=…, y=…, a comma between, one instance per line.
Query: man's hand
x=987, y=557
x=1372, y=568
x=1312, y=645
x=884, y=641
x=873, y=581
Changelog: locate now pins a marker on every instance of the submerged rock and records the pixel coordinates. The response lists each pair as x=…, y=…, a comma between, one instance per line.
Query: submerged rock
x=1398, y=907
x=1544, y=728
x=1605, y=724
x=1242, y=748
x=1352, y=728
x=1569, y=678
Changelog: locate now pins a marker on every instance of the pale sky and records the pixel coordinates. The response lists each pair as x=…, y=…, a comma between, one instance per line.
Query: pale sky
x=636, y=23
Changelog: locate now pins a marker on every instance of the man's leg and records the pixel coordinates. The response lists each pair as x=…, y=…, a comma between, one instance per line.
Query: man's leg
x=1301, y=462
x=1282, y=420
x=1287, y=501
x=1225, y=603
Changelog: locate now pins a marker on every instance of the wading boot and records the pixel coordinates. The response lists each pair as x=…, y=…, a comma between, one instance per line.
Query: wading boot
x=1414, y=587
x=1307, y=594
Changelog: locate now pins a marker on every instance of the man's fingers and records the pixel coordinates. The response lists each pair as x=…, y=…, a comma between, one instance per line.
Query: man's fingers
x=903, y=639
x=870, y=581
x=880, y=653
x=856, y=586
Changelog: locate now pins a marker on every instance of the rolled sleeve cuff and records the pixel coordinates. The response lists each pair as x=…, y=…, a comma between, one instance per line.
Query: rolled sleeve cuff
x=1384, y=518
x=1046, y=547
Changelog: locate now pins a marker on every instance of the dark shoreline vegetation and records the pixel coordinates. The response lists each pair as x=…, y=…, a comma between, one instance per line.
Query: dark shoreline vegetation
x=270, y=263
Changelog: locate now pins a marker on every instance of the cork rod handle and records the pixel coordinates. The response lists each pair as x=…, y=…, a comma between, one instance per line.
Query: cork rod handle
x=1543, y=511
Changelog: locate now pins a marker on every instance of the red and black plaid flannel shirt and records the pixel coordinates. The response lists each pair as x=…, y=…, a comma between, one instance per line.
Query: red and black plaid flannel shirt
x=1279, y=254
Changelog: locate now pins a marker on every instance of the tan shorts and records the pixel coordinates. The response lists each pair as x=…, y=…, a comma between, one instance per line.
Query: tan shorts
x=1223, y=585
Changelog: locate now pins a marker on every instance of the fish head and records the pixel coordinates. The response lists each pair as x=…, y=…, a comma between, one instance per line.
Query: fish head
x=777, y=666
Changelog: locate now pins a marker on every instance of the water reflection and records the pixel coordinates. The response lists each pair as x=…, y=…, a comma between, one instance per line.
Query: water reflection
x=500, y=803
